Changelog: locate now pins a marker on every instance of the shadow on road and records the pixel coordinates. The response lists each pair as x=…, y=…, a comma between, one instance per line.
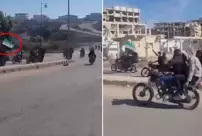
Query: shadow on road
x=154, y=105
x=71, y=61
x=88, y=64
x=110, y=72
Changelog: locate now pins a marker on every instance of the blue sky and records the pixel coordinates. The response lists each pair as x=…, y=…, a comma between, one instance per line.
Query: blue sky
x=162, y=10
x=55, y=7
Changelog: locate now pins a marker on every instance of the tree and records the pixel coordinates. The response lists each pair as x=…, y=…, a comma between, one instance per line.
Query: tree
x=5, y=25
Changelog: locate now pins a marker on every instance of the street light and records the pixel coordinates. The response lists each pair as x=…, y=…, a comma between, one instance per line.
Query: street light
x=43, y=5
x=68, y=25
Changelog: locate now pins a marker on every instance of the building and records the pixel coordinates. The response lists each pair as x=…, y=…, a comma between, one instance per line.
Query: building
x=121, y=21
x=171, y=29
x=21, y=16
x=71, y=18
x=93, y=17
x=182, y=43
x=122, y=24
x=195, y=29
x=39, y=17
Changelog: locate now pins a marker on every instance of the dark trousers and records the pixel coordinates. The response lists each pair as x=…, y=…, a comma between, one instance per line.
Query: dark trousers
x=180, y=81
x=194, y=82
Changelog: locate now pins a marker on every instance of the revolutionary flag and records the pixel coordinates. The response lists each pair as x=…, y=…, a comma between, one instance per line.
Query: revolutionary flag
x=129, y=45
x=8, y=43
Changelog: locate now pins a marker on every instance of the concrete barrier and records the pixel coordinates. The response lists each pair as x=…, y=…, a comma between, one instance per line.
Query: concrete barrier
x=15, y=68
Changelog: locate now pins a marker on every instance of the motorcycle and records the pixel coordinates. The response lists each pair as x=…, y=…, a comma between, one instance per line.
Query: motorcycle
x=31, y=59
x=146, y=71
x=16, y=59
x=3, y=60
x=165, y=91
x=92, y=59
x=82, y=54
x=118, y=65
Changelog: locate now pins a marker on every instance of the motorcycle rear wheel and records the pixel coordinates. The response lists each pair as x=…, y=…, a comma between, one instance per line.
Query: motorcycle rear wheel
x=133, y=69
x=113, y=67
x=190, y=98
x=145, y=72
x=13, y=61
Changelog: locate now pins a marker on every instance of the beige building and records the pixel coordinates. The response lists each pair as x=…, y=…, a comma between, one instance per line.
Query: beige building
x=195, y=29
x=121, y=21
x=121, y=24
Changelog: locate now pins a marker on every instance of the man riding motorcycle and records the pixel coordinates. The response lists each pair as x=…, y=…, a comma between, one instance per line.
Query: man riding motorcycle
x=71, y=51
x=41, y=54
x=82, y=52
x=18, y=57
x=194, y=70
x=162, y=61
x=92, y=52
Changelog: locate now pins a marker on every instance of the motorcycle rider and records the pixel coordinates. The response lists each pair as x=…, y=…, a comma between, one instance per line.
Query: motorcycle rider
x=180, y=69
x=19, y=55
x=41, y=54
x=92, y=53
x=82, y=52
x=194, y=72
x=71, y=51
x=66, y=53
x=162, y=60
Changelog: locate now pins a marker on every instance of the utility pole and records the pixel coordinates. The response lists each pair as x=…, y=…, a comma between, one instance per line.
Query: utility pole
x=41, y=22
x=68, y=23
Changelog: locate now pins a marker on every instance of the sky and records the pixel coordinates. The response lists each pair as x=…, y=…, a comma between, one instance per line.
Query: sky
x=55, y=7
x=162, y=10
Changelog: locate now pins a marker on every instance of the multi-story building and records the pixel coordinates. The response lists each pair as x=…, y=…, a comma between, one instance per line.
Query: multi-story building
x=121, y=21
x=171, y=29
x=122, y=25
x=21, y=16
x=40, y=17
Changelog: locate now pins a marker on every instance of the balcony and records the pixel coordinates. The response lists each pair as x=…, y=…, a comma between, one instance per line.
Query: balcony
x=117, y=15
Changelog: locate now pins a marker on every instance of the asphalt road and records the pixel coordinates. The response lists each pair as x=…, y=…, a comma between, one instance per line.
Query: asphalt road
x=56, y=101
x=122, y=117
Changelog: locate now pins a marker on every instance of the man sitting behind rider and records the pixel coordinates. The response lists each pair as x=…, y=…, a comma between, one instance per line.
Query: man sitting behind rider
x=194, y=72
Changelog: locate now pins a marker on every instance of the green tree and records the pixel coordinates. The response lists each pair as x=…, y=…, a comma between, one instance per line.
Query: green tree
x=5, y=25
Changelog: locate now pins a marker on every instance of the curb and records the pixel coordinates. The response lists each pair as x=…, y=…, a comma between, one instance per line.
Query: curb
x=120, y=83
x=125, y=81
x=9, y=69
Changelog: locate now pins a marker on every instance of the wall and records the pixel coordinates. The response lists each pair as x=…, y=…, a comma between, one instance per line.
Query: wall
x=140, y=44
x=183, y=44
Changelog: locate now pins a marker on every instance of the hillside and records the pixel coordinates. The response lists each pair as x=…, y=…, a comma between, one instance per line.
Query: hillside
x=54, y=33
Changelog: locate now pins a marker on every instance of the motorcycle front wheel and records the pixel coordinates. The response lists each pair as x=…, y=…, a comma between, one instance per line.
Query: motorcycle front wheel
x=139, y=95
x=113, y=67
x=13, y=61
x=145, y=72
